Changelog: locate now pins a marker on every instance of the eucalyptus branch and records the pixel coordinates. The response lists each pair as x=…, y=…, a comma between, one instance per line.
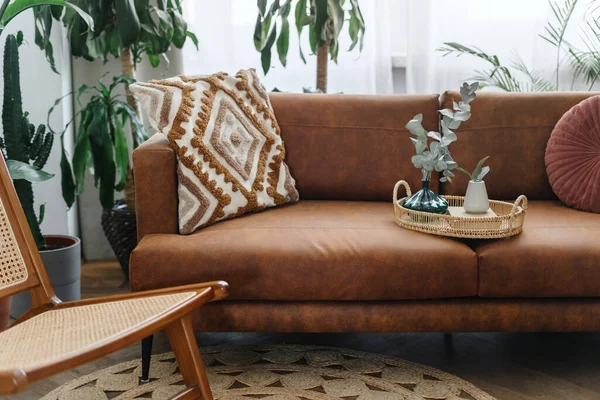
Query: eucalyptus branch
x=434, y=155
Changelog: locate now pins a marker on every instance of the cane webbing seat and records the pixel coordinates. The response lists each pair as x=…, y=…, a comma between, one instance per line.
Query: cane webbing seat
x=12, y=266
x=57, y=334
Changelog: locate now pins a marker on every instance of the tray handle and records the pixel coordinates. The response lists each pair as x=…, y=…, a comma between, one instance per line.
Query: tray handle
x=406, y=186
x=520, y=200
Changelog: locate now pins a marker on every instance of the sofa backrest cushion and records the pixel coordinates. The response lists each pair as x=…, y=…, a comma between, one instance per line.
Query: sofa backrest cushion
x=513, y=129
x=350, y=147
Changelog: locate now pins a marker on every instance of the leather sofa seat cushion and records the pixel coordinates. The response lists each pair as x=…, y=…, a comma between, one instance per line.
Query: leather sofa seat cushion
x=312, y=250
x=557, y=255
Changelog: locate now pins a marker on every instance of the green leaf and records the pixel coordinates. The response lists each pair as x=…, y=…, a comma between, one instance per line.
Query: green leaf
x=154, y=59
x=121, y=152
x=113, y=40
x=193, y=38
x=283, y=42
x=82, y=150
x=265, y=56
x=128, y=22
x=77, y=34
x=66, y=180
x=312, y=39
x=302, y=19
x=321, y=17
x=483, y=173
x=258, y=33
x=357, y=14
x=336, y=16
x=102, y=151
x=353, y=29
x=98, y=9
x=22, y=170
x=262, y=6
x=18, y=6
x=42, y=213
x=127, y=112
x=479, y=169
x=179, y=28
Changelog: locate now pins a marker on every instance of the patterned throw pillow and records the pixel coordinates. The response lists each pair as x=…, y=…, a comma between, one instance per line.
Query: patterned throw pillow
x=228, y=144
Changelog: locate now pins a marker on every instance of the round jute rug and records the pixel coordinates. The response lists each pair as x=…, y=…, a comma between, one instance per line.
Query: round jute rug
x=278, y=372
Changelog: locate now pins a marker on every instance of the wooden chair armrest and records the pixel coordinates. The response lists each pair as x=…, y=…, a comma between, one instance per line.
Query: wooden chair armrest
x=17, y=380
x=220, y=290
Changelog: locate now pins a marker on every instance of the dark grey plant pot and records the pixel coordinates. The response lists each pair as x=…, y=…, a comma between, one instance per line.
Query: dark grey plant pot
x=63, y=266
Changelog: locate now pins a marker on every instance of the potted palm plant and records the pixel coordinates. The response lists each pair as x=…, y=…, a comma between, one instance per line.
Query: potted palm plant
x=324, y=18
x=26, y=150
x=127, y=30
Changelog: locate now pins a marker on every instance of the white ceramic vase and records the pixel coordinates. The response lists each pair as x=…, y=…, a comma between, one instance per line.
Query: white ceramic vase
x=476, y=198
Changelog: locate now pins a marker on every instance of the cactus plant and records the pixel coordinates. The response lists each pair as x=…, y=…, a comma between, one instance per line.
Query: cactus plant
x=25, y=148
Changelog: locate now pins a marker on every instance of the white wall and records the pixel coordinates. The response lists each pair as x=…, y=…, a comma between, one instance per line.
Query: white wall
x=40, y=87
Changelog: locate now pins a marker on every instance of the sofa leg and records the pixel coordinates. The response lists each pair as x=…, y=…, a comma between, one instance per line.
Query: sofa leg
x=448, y=344
x=146, y=356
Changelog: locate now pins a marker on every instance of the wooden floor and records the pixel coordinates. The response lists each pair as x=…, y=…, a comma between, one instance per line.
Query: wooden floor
x=508, y=366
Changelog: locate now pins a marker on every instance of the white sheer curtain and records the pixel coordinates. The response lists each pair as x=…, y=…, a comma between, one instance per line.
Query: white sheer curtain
x=410, y=29
x=225, y=30
x=507, y=28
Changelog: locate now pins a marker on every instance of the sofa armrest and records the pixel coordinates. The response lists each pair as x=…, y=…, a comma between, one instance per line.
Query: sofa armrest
x=155, y=171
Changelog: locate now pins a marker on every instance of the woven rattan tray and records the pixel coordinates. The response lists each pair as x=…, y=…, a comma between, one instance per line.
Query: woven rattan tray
x=508, y=221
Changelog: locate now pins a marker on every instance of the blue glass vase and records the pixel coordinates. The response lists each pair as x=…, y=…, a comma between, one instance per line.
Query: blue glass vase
x=426, y=200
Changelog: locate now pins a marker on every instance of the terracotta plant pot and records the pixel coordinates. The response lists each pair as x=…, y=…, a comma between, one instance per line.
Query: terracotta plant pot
x=63, y=264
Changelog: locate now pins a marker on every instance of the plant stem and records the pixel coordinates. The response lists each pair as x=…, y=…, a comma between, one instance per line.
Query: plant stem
x=557, y=64
x=322, y=61
x=128, y=68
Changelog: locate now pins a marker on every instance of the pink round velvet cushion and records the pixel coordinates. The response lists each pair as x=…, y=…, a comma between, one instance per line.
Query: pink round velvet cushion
x=573, y=156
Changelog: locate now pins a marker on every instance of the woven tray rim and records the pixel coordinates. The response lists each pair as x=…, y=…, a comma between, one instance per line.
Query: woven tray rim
x=515, y=218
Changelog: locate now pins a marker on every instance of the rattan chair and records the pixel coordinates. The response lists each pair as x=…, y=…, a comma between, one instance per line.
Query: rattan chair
x=53, y=336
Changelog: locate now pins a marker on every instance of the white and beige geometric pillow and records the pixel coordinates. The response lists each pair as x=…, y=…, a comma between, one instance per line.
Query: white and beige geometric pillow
x=230, y=152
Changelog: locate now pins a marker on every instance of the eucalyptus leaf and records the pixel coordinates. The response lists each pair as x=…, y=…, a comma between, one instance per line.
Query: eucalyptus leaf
x=447, y=113
x=418, y=160
x=420, y=145
x=435, y=135
x=414, y=126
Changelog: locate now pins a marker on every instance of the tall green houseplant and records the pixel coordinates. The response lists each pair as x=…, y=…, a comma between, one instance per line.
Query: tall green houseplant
x=21, y=142
x=125, y=29
x=324, y=19
x=25, y=148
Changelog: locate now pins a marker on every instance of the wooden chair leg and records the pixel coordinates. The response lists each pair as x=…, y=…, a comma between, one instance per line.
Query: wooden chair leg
x=183, y=343
x=146, y=357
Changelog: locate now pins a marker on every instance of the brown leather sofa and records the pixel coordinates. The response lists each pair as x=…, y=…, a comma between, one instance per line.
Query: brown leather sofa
x=336, y=261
